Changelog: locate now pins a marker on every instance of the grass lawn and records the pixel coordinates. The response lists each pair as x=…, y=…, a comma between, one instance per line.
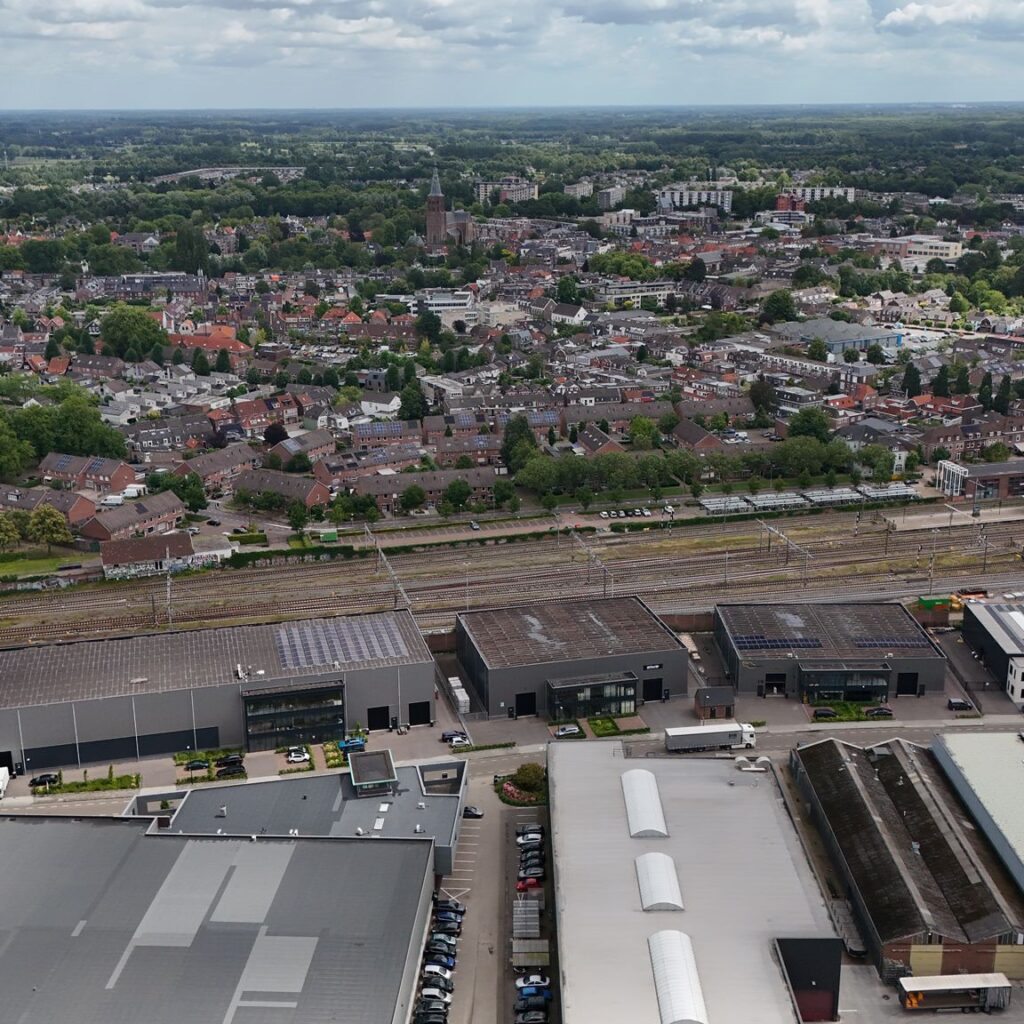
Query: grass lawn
x=36, y=562
x=603, y=726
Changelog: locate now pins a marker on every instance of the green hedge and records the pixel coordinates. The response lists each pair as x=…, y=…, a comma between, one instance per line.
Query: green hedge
x=184, y=756
x=634, y=732
x=249, y=538
x=485, y=746
x=316, y=553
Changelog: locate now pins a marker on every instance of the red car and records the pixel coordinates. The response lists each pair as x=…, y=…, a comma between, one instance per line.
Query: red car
x=528, y=883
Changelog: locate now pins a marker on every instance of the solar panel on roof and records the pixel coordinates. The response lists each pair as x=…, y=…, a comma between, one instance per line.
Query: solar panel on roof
x=308, y=644
x=64, y=461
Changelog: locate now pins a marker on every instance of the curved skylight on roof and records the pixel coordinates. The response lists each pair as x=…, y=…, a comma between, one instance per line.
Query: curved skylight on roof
x=659, y=884
x=643, y=804
x=680, y=997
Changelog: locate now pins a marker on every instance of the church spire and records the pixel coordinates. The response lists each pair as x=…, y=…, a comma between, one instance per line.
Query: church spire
x=435, y=185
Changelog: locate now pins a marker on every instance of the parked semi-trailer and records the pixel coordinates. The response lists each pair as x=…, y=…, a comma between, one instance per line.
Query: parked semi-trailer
x=713, y=736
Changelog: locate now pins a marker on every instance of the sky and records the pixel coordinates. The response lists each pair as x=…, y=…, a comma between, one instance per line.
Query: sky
x=187, y=54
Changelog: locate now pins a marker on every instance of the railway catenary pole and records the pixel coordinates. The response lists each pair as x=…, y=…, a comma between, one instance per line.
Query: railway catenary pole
x=594, y=559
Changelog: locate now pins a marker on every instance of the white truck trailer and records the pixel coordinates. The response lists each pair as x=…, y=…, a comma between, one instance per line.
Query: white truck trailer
x=713, y=736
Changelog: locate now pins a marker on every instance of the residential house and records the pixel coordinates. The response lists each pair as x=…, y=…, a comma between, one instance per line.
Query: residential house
x=694, y=437
x=380, y=403
x=146, y=556
x=290, y=486
x=74, y=507
x=156, y=513
x=387, y=432
x=387, y=488
x=342, y=468
x=594, y=441
x=314, y=444
x=218, y=469
x=85, y=472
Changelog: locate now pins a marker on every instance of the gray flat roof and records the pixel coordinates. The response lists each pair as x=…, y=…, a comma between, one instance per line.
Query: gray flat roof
x=727, y=834
x=104, y=923
x=1004, y=622
x=825, y=631
x=321, y=805
x=566, y=630
x=992, y=766
x=158, y=662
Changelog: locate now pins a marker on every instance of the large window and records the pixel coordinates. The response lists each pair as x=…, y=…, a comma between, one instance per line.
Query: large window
x=585, y=699
x=283, y=717
x=862, y=684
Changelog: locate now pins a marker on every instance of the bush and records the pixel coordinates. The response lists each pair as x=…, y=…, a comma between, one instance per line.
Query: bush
x=487, y=746
x=530, y=777
x=109, y=781
x=184, y=756
x=634, y=732
x=604, y=726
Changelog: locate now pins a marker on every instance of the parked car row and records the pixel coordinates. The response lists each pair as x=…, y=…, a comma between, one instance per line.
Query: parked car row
x=626, y=513
x=533, y=988
x=440, y=957
x=456, y=738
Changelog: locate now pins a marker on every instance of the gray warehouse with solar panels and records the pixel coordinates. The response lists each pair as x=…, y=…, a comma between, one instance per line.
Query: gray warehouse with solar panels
x=860, y=652
x=259, y=687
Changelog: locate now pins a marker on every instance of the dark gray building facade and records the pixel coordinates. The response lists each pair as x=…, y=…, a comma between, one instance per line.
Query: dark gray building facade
x=570, y=659
x=258, y=687
x=860, y=652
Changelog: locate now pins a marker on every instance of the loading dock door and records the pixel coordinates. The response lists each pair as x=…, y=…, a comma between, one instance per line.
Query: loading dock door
x=419, y=712
x=906, y=684
x=653, y=688
x=377, y=718
x=526, y=703
x=7, y=760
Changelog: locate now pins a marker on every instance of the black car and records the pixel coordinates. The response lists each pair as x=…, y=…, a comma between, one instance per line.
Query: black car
x=439, y=947
x=878, y=713
x=431, y=1006
x=213, y=522
x=448, y=928
x=531, y=860
x=959, y=704
x=197, y=765
x=453, y=905
x=531, y=1017
x=472, y=812
x=230, y=771
x=45, y=780
x=530, y=1003
x=534, y=872
x=450, y=734
x=821, y=714
x=430, y=1018
x=228, y=760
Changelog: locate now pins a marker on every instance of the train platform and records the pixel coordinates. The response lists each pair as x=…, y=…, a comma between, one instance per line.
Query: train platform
x=946, y=516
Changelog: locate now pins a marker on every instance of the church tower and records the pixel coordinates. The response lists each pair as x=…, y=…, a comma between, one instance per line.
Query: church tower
x=437, y=219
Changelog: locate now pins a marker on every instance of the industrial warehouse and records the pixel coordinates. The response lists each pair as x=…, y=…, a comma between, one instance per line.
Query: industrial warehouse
x=987, y=772
x=570, y=659
x=921, y=896
x=663, y=910
x=997, y=632
x=106, y=921
x=859, y=652
x=261, y=687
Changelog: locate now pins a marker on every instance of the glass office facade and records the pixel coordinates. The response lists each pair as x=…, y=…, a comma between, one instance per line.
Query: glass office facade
x=282, y=718
x=845, y=682
x=588, y=697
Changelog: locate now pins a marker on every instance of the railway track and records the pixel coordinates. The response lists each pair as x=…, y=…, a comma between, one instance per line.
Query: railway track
x=674, y=570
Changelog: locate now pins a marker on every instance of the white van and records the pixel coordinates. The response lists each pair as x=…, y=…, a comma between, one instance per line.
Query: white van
x=112, y=500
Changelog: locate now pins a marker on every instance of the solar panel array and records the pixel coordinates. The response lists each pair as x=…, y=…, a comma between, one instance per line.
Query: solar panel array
x=879, y=642
x=759, y=642
x=64, y=461
x=308, y=644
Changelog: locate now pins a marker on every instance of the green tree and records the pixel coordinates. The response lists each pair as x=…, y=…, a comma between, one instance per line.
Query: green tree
x=298, y=463
x=585, y=497
x=47, y=526
x=298, y=517
x=911, y=381
x=200, y=364
x=15, y=453
x=940, y=454
x=504, y=491
x=851, y=355
x=962, y=385
x=643, y=432
x=393, y=377
x=178, y=356
x=9, y=534
x=428, y=325
x=778, y=307
x=457, y=494
x=568, y=290
x=811, y=422
x=875, y=354
x=191, y=253
x=275, y=433
x=940, y=385
x=127, y=327
x=667, y=422
x=1001, y=402
x=985, y=392
x=696, y=270
x=412, y=497
x=518, y=444
x=223, y=363
x=762, y=396
x=817, y=350
x=413, y=402
x=996, y=452
x=552, y=437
